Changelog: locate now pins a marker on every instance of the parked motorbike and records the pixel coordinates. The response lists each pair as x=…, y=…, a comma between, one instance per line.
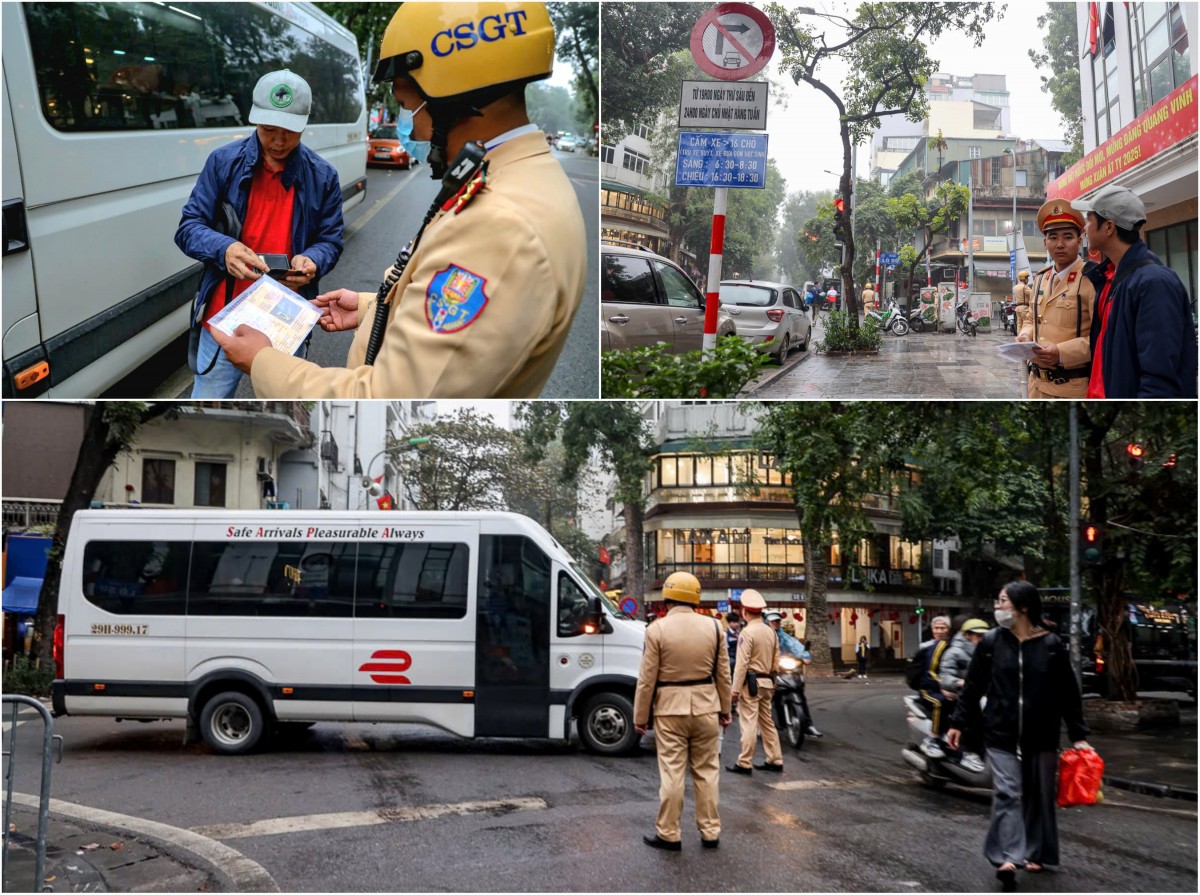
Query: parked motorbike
x=964, y=320
x=939, y=771
x=892, y=319
x=1008, y=316
x=790, y=719
x=916, y=317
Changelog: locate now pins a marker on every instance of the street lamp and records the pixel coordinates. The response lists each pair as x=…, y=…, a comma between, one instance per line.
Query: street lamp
x=374, y=488
x=1016, y=234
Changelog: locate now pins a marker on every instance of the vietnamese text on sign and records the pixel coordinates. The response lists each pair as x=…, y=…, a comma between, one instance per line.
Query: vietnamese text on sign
x=726, y=105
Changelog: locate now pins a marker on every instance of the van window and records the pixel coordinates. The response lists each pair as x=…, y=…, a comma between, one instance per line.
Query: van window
x=136, y=577
x=572, y=606
x=277, y=578
x=412, y=581
x=627, y=280
x=144, y=66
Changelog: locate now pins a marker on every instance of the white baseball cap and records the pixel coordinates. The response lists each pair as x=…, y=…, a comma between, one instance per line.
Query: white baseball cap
x=281, y=99
x=1116, y=204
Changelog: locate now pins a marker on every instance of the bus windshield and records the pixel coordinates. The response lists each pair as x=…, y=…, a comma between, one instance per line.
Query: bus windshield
x=612, y=607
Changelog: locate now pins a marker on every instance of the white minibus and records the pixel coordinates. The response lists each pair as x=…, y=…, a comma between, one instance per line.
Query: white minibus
x=245, y=622
x=109, y=112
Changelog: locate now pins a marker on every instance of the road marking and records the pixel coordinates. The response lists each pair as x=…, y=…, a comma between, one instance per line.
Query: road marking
x=1172, y=811
x=244, y=874
x=309, y=822
x=378, y=206
x=791, y=785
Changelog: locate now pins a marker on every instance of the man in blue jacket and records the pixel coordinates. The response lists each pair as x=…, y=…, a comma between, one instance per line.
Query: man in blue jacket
x=288, y=200
x=1143, y=337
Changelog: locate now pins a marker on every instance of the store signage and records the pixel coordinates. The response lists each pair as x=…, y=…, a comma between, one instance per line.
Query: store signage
x=1167, y=123
x=996, y=244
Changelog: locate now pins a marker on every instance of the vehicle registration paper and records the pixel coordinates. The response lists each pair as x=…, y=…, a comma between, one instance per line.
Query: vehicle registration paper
x=285, y=316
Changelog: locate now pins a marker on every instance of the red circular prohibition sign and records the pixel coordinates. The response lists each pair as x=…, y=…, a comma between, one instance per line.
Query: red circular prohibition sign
x=725, y=35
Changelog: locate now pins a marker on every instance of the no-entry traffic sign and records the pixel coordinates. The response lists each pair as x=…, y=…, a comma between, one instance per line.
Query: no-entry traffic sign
x=733, y=41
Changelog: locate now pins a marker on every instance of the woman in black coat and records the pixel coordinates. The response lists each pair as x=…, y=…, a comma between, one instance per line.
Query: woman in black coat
x=1024, y=670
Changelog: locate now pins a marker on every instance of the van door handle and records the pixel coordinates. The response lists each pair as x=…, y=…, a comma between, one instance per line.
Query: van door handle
x=681, y=320
x=619, y=318
x=16, y=232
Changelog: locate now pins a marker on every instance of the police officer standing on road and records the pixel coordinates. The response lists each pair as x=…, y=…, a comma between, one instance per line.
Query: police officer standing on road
x=484, y=304
x=868, y=297
x=684, y=678
x=1023, y=299
x=1061, y=319
x=753, y=687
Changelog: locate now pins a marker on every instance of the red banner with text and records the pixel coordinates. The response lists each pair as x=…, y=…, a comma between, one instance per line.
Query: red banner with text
x=1169, y=121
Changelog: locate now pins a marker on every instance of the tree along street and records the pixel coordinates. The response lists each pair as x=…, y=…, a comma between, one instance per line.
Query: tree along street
x=403, y=808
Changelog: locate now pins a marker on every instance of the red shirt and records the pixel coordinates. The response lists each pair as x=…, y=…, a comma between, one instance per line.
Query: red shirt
x=1095, y=387
x=267, y=228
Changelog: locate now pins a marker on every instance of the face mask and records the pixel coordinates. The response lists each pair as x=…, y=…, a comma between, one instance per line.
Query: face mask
x=1005, y=618
x=404, y=123
x=419, y=150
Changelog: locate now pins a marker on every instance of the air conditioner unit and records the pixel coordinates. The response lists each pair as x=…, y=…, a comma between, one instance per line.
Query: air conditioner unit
x=265, y=467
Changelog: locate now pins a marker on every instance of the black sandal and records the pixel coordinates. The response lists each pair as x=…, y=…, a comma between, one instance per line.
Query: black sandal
x=1007, y=877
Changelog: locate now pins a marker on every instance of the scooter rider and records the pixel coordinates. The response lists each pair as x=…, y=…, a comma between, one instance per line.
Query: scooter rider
x=931, y=686
x=953, y=673
x=789, y=645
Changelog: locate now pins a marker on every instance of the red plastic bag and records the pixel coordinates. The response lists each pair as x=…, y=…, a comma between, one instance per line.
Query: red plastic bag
x=1080, y=772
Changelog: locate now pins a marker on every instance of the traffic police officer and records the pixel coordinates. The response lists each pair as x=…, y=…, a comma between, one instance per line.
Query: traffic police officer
x=868, y=297
x=1061, y=307
x=1023, y=298
x=684, y=677
x=757, y=652
x=484, y=306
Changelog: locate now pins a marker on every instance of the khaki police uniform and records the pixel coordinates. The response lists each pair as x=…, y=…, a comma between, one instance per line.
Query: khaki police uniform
x=868, y=298
x=1061, y=313
x=684, y=676
x=758, y=651
x=483, y=308
x=1023, y=298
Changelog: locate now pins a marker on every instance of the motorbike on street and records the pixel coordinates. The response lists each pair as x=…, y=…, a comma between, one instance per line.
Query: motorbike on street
x=939, y=771
x=916, y=316
x=1008, y=316
x=964, y=320
x=790, y=718
x=892, y=319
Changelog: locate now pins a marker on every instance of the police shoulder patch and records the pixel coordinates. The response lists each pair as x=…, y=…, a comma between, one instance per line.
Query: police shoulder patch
x=455, y=299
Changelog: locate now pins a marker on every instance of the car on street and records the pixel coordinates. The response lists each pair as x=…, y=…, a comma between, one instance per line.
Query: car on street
x=566, y=144
x=384, y=148
x=647, y=299
x=770, y=316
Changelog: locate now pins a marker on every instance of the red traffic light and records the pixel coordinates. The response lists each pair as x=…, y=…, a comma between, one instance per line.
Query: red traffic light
x=1135, y=450
x=1091, y=533
x=839, y=205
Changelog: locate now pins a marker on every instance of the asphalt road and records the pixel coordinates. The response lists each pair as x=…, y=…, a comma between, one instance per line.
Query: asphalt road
x=376, y=230
x=405, y=808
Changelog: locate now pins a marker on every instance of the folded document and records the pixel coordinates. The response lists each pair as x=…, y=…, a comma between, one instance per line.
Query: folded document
x=285, y=316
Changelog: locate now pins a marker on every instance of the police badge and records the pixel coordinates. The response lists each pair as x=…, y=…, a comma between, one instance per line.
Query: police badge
x=454, y=299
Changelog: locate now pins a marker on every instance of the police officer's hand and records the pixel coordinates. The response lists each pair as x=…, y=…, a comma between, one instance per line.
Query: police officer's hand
x=243, y=263
x=1046, y=354
x=726, y=718
x=1023, y=337
x=339, y=310
x=308, y=272
x=242, y=347
x=953, y=736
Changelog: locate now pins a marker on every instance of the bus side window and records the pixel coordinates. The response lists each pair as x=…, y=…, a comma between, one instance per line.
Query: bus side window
x=136, y=577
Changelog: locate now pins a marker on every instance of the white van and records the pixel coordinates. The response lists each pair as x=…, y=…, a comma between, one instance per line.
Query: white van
x=109, y=113
x=240, y=621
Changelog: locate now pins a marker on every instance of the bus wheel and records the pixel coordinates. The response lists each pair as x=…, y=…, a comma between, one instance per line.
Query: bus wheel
x=232, y=723
x=606, y=725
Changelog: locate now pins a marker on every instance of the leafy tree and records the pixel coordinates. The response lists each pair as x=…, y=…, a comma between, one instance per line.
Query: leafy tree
x=637, y=40
x=465, y=466
x=836, y=454
x=792, y=245
x=1060, y=56
x=110, y=427
x=577, y=28
x=885, y=49
x=933, y=216
x=367, y=21
x=552, y=108
x=617, y=434
x=541, y=491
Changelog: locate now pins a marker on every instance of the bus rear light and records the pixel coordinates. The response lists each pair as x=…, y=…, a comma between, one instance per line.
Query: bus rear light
x=60, y=643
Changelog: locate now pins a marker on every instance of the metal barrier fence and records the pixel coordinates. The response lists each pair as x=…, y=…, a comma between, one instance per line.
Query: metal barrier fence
x=23, y=514
x=49, y=739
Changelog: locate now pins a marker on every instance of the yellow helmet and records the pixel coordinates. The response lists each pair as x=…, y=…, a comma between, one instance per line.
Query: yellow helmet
x=1023, y=275
x=452, y=51
x=682, y=587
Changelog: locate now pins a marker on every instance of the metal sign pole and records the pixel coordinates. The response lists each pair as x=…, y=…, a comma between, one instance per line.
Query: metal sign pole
x=715, y=250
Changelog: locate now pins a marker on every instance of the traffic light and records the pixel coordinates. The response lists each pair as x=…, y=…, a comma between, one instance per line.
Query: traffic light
x=1136, y=455
x=1091, y=544
x=920, y=610
x=839, y=206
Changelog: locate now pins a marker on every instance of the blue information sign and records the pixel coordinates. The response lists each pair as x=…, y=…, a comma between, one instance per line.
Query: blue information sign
x=722, y=606
x=889, y=258
x=729, y=160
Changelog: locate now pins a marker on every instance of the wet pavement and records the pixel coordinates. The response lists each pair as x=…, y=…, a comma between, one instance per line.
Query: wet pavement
x=916, y=365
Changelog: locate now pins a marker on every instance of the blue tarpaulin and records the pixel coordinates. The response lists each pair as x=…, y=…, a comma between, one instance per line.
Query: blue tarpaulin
x=21, y=597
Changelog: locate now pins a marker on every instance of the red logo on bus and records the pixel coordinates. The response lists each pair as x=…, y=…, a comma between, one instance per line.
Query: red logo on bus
x=388, y=670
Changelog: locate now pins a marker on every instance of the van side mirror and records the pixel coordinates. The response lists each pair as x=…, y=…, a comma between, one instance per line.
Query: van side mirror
x=593, y=621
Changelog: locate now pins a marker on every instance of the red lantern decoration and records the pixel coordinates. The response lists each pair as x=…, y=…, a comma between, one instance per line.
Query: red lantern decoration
x=912, y=619
x=895, y=615
x=854, y=617
x=871, y=613
x=799, y=616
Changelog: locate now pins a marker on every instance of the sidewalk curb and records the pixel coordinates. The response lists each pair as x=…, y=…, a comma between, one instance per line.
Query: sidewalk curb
x=762, y=381
x=229, y=865
x=1162, y=790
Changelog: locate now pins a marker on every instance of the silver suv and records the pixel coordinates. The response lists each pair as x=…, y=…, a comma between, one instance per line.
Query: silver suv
x=647, y=300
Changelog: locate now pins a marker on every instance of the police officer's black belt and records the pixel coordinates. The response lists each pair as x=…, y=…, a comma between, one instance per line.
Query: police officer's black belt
x=695, y=683
x=1059, y=375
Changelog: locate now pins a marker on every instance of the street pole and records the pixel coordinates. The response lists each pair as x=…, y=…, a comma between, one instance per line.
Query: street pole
x=970, y=231
x=877, y=285
x=1076, y=599
x=715, y=250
